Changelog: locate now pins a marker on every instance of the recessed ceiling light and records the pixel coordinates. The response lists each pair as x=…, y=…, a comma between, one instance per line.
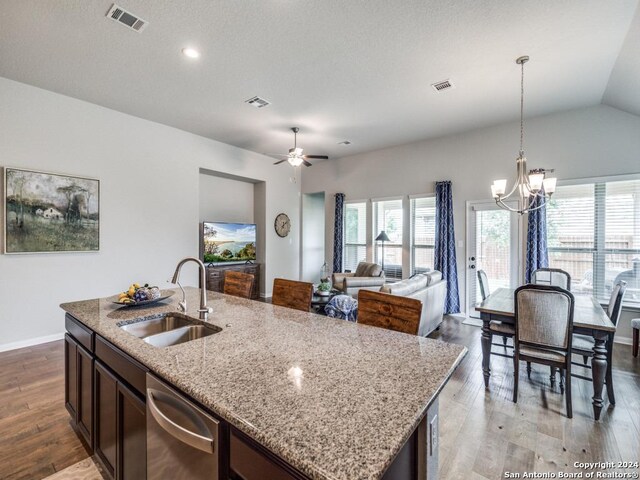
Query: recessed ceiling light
x=190, y=52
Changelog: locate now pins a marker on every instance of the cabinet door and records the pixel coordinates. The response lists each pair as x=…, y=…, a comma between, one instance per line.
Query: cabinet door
x=106, y=387
x=71, y=376
x=85, y=368
x=132, y=435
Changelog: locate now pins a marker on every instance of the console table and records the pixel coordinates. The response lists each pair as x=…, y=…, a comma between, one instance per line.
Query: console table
x=215, y=276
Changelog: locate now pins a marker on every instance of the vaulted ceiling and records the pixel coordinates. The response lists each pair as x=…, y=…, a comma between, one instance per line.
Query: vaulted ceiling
x=340, y=70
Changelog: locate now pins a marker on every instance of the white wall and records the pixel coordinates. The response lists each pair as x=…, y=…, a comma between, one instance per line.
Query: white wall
x=149, y=216
x=313, y=230
x=588, y=142
x=225, y=200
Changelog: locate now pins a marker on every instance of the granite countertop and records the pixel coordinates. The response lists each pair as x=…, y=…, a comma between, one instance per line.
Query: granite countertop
x=334, y=399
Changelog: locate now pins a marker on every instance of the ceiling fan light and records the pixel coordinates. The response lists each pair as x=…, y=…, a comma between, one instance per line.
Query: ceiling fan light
x=295, y=161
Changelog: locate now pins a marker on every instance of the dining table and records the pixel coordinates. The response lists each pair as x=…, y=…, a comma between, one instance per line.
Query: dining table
x=589, y=318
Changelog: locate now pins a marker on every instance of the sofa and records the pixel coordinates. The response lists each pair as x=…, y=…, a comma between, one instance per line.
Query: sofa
x=368, y=276
x=430, y=289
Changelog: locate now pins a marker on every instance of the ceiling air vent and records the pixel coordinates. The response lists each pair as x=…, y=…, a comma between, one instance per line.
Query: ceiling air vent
x=441, y=86
x=257, y=102
x=128, y=19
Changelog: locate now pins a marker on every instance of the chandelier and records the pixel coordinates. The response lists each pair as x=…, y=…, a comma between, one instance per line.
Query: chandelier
x=532, y=189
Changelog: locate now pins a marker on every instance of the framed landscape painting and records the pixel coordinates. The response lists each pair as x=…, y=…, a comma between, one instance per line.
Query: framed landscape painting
x=49, y=212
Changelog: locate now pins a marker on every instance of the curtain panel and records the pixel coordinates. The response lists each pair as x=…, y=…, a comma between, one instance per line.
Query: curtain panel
x=338, y=235
x=537, y=253
x=445, y=246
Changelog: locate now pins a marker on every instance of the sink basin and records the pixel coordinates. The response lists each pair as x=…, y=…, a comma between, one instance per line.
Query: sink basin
x=181, y=335
x=145, y=328
x=170, y=329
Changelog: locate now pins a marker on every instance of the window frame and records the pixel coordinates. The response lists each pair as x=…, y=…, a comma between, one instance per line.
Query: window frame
x=599, y=252
x=412, y=245
x=344, y=230
x=375, y=230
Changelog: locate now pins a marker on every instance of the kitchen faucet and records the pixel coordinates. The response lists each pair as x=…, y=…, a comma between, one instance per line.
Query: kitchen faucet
x=204, y=310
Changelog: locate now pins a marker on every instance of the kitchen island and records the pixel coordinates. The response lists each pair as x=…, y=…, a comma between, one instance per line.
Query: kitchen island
x=323, y=398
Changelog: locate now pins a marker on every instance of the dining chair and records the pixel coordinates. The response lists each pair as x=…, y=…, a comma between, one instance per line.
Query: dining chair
x=555, y=277
x=544, y=328
x=635, y=326
x=292, y=294
x=238, y=284
x=483, y=281
x=583, y=344
x=392, y=312
x=503, y=330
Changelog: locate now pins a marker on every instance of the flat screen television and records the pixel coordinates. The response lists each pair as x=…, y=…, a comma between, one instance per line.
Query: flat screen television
x=224, y=242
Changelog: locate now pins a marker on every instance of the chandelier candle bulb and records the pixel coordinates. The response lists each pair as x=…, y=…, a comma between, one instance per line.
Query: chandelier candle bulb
x=500, y=186
x=549, y=185
x=535, y=181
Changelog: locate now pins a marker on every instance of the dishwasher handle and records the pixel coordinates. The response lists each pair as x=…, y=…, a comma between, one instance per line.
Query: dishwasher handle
x=192, y=439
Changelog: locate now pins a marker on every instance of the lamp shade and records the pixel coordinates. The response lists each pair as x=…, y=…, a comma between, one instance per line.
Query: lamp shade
x=382, y=237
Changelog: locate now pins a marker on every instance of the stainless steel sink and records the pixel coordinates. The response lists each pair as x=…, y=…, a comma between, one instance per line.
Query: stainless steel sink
x=170, y=329
x=181, y=335
x=145, y=328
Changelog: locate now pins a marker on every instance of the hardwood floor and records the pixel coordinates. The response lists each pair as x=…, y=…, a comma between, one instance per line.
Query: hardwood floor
x=483, y=434
x=37, y=439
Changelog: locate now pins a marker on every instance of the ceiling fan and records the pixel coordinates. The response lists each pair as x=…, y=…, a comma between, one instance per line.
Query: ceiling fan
x=295, y=156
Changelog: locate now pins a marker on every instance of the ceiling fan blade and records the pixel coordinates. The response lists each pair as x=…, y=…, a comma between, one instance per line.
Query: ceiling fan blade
x=321, y=157
x=276, y=154
x=305, y=163
x=278, y=163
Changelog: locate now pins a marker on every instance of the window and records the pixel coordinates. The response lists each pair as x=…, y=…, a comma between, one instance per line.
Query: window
x=355, y=235
x=423, y=233
x=594, y=234
x=387, y=216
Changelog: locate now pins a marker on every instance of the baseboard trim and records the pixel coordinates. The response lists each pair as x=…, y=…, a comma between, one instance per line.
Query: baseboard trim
x=622, y=340
x=31, y=342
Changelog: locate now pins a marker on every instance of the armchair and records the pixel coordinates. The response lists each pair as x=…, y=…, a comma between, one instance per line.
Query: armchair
x=368, y=276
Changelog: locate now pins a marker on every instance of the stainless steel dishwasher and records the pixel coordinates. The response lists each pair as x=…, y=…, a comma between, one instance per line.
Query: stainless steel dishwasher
x=182, y=440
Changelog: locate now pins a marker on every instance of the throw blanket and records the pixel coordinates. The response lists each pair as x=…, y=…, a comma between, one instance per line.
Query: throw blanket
x=342, y=306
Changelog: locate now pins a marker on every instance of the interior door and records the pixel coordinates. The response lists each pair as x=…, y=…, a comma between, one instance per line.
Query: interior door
x=493, y=246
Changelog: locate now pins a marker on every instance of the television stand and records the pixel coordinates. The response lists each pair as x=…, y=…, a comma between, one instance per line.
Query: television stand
x=215, y=276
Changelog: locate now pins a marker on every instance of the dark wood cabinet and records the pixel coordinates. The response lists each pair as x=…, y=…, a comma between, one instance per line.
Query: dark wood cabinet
x=84, y=417
x=251, y=461
x=78, y=383
x=106, y=388
x=70, y=376
x=215, y=277
x=121, y=431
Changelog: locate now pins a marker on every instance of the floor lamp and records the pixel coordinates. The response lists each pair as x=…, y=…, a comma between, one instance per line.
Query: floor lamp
x=382, y=237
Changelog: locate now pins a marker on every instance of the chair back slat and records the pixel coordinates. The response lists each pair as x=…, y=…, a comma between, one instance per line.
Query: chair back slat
x=554, y=277
x=483, y=281
x=292, y=294
x=238, y=284
x=392, y=312
x=615, y=301
x=544, y=316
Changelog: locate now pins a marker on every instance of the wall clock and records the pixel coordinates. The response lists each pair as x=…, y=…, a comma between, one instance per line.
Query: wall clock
x=282, y=225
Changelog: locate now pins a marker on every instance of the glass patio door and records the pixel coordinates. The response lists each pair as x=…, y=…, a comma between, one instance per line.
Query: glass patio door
x=492, y=246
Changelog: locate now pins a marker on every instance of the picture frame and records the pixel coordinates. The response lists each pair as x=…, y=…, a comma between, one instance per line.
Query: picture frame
x=46, y=212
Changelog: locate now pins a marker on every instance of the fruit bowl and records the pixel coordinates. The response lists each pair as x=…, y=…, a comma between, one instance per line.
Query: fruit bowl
x=138, y=295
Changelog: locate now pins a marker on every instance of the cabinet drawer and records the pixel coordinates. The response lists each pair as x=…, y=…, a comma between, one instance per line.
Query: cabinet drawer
x=248, y=463
x=121, y=363
x=82, y=334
